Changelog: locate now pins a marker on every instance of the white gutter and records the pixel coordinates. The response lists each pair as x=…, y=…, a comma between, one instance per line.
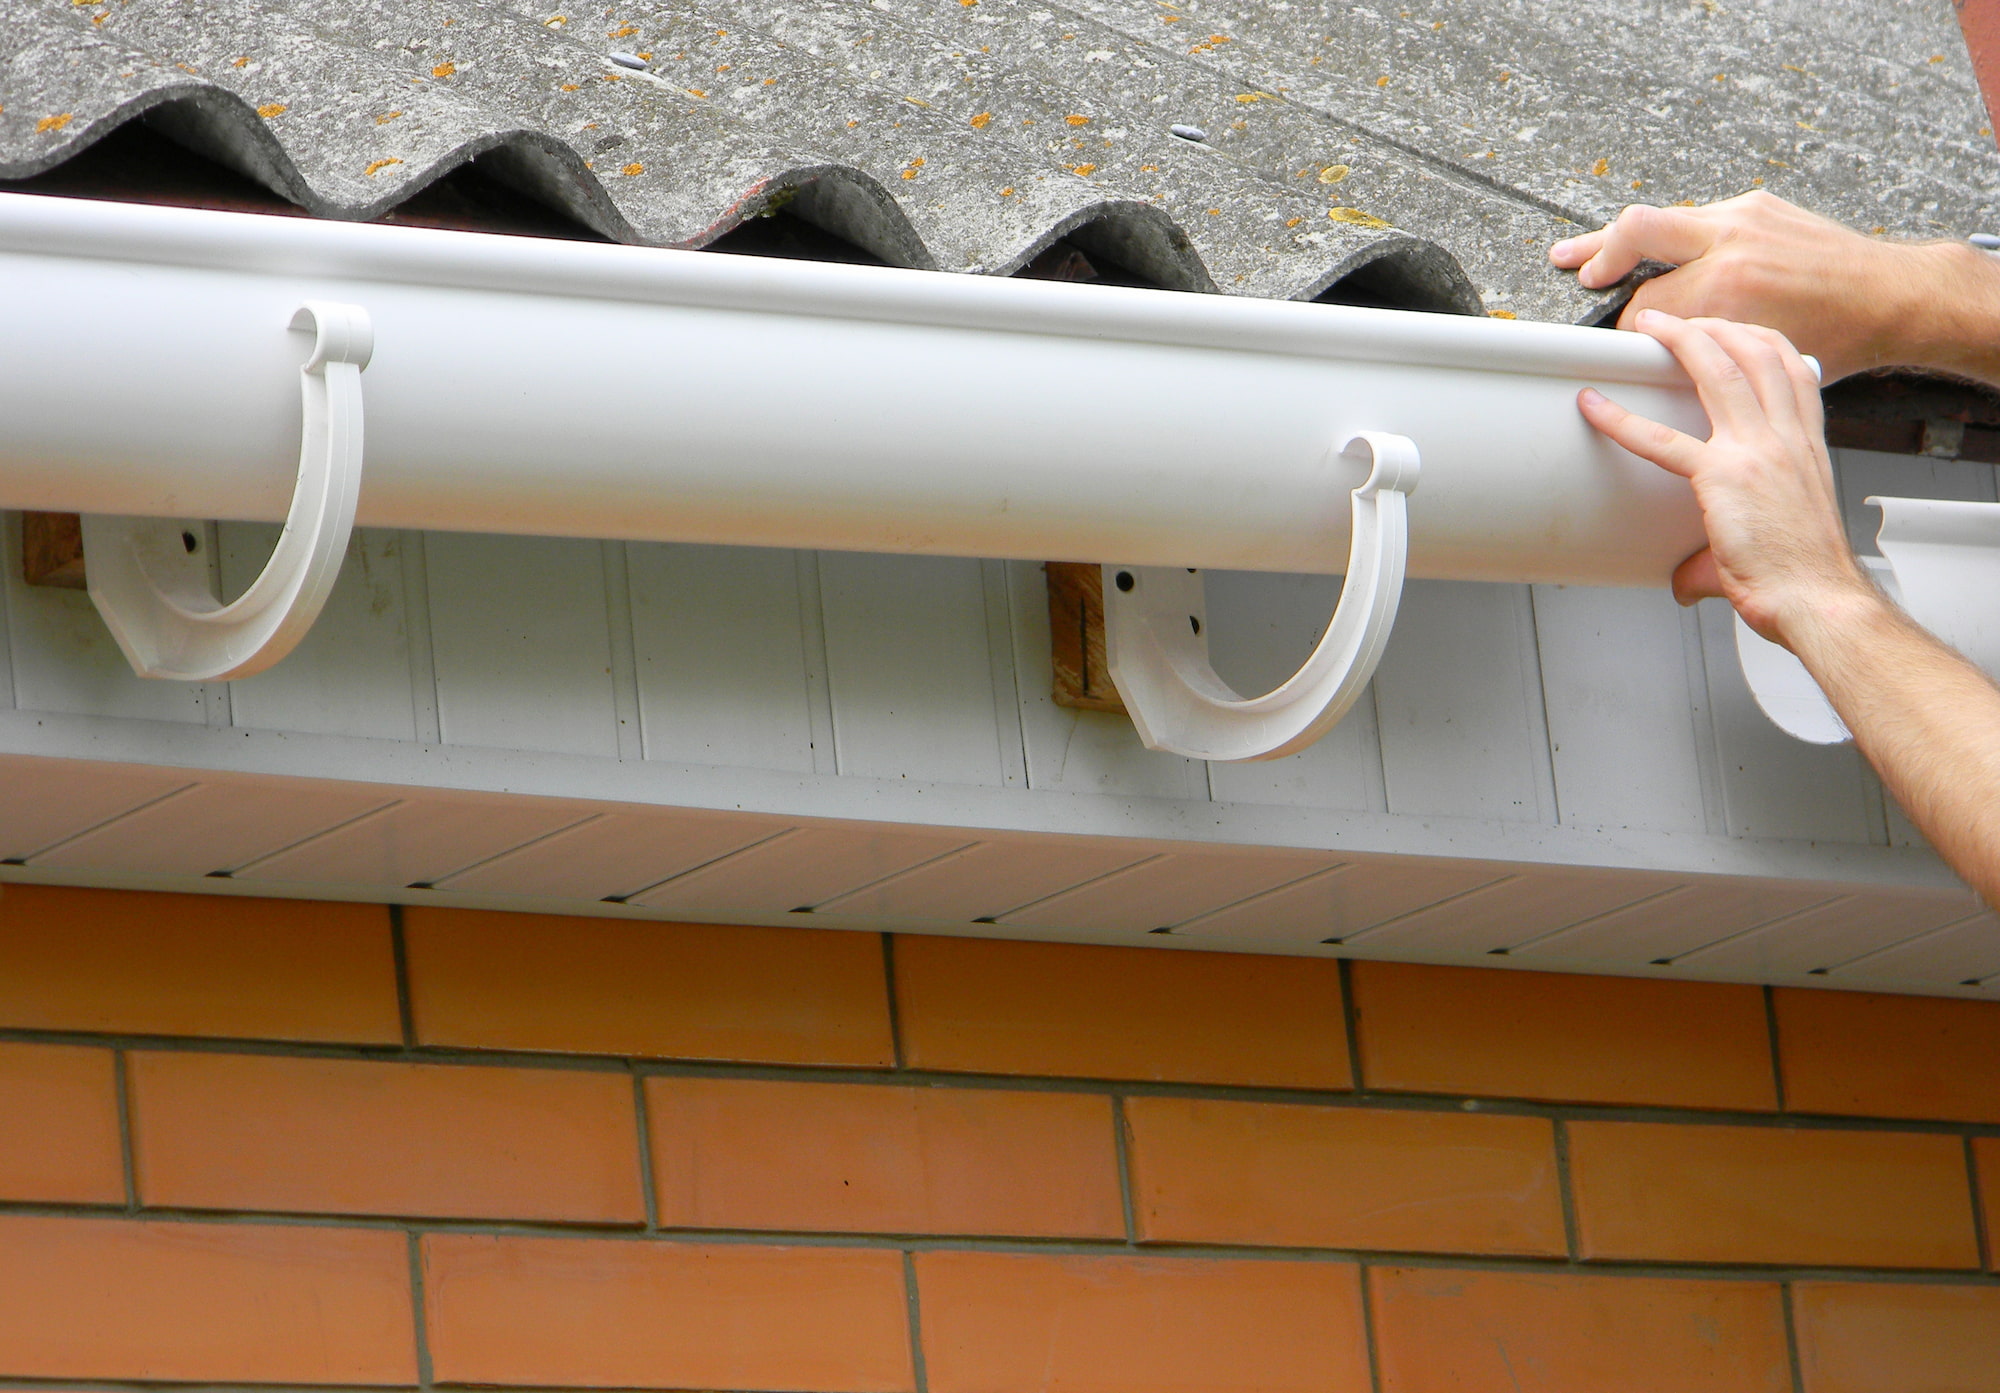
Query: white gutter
x=535, y=386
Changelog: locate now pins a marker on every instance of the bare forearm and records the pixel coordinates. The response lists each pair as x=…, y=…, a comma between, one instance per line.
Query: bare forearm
x=1926, y=719
x=1945, y=316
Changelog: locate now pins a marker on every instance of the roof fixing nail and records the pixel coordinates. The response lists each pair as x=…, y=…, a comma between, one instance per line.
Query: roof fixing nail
x=628, y=60
x=1194, y=133
x=1985, y=241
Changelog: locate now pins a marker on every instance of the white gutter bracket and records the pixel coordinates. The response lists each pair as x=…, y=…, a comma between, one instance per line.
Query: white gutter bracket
x=1156, y=639
x=1939, y=561
x=149, y=577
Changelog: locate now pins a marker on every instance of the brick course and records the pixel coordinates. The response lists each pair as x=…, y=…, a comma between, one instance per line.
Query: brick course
x=733, y=1181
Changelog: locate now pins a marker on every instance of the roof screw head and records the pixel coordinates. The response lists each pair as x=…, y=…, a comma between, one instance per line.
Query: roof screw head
x=628, y=60
x=1985, y=241
x=1194, y=133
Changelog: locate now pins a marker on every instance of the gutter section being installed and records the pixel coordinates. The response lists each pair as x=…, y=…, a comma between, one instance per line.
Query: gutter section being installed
x=166, y=364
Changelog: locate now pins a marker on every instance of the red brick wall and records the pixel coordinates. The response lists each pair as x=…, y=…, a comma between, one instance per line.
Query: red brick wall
x=251, y=1142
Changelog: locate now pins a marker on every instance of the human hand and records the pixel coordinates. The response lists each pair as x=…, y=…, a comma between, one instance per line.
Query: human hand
x=1776, y=548
x=1850, y=300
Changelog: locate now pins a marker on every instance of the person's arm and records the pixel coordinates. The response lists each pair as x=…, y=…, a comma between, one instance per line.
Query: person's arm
x=1854, y=302
x=1925, y=717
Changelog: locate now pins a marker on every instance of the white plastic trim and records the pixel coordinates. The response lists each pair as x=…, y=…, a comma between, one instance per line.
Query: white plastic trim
x=1156, y=633
x=1939, y=561
x=150, y=577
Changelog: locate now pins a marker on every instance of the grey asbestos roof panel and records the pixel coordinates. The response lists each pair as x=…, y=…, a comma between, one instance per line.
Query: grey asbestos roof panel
x=1442, y=145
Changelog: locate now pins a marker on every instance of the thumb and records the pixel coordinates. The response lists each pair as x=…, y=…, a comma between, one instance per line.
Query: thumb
x=1697, y=578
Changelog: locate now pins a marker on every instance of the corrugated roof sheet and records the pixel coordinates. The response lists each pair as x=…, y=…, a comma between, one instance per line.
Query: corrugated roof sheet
x=1445, y=145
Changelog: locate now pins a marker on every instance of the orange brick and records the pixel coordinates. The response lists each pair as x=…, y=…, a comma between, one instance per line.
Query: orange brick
x=218, y=965
x=864, y=1158
x=684, y=991
x=59, y=1126
x=1205, y=1171
x=1860, y=1337
x=603, y=1313
x=1875, y=1055
x=335, y=1136
x=1494, y=1032
x=1010, y=1322
x=1676, y=1193
x=985, y=1006
x=209, y=1303
x=1440, y=1331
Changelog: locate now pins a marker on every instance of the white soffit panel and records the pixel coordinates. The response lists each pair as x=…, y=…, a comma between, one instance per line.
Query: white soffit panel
x=1833, y=933
x=799, y=869
x=1158, y=892
x=615, y=855
x=1958, y=955
x=1337, y=902
x=1499, y=915
x=414, y=843
x=45, y=801
x=1661, y=928
x=985, y=880
x=212, y=827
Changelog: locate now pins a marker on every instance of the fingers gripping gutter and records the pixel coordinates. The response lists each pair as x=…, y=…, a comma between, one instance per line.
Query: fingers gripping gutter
x=1640, y=233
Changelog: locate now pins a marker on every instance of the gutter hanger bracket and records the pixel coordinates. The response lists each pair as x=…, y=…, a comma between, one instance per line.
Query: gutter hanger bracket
x=1156, y=642
x=149, y=577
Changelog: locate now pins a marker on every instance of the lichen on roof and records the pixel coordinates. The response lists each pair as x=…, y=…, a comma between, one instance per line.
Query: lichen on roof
x=1431, y=151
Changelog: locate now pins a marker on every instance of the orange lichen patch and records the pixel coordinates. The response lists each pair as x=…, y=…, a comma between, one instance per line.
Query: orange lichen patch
x=770, y=81
x=1501, y=314
x=981, y=121
x=1601, y=168
x=1792, y=68
x=553, y=20
x=54, y=123
x=720, y=67
x=1247, y=97
x=444, y=70
x=1218, y=38
x=1150, y=168
x=633, y=169
x=612, y=77
x=696, y=93
x=377, y=166
x=1637, y=183
x=1334, y=173
x=1382, y=81
x=1503, y=76
x=1007, y=192
x=189, y=68
x=909, y=170
x=1356, y=217
x=1877, y=231
x=242, y=62
x=624, y=30
x=1215, y=212
x=968, y=4
x=569, y=87
x=270, y=109
x=1077, y=120
x=1805, y=125
x=1171, y=19
x=916, y=101
x=1722, y=77
x=1083, y=170
x=1293, y=222
x=1937, y=58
